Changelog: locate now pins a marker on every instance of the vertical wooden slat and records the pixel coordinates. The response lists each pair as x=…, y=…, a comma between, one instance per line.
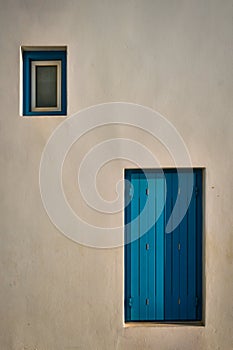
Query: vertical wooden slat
x=143, y=279
x=135, y=267
x=191, y=309
x=159, y=245
x=183, y=250
x=168, y=249
x=152, y=248
x=172, y=273
x=175, y=258
x=127, y=249
x=199, y=245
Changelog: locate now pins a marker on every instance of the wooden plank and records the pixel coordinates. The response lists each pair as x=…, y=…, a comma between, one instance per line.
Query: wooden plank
x=168, y=250
x=127, y=250
x=152, y=248
x=175, y=258
x=191, y=309
x=143, y=263
x=183, y=249
x=135, y=313
x=159, y=206
x=199, y=244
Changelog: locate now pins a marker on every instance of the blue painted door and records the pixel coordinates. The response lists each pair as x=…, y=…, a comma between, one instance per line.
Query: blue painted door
x=162, y=270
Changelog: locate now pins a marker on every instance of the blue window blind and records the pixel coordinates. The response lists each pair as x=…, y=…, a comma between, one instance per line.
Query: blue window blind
x=163, y=270
x=45, y=91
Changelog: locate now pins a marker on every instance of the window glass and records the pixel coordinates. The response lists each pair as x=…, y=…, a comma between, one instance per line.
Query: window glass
x=46, y=86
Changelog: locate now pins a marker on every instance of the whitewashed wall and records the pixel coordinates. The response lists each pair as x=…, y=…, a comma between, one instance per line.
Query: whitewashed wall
x=173, y=56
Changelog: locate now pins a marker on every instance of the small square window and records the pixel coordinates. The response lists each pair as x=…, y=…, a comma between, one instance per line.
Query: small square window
x=44, y=82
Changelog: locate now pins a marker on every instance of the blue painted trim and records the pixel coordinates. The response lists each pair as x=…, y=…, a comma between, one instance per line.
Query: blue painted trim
x=29, y=56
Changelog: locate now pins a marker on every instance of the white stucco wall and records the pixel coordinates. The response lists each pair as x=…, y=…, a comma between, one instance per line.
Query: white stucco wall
x=173, y=56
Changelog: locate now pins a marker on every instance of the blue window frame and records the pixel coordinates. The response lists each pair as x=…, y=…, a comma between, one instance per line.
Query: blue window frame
x=44, y=83
x=163, y=270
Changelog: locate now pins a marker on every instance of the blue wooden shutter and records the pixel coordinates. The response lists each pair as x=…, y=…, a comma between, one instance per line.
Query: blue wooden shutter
x=163, y=270
x=138, y=303
x=183, y=249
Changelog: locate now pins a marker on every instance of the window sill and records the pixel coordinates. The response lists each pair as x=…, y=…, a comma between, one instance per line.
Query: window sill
x=43, y=116
x=164, y=324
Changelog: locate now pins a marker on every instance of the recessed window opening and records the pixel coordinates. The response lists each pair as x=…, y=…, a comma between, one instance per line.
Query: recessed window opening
x=163, y=270
x=44, y=82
